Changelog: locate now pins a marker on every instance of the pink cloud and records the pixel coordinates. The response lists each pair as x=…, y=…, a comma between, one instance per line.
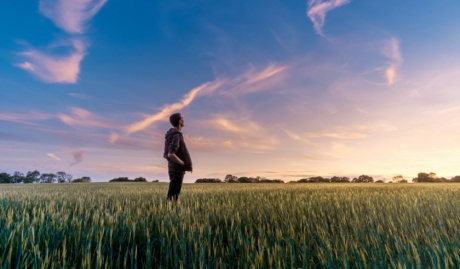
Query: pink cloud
x=164, y=113
x=25, y=118
x=317, y=10
x=84, y=118
x=78, y=156
x=255, y=80
x=391, y=50
x=55, y=68
x=71, y=16
x=234, y=125
x=240, y=84
x=53, y=156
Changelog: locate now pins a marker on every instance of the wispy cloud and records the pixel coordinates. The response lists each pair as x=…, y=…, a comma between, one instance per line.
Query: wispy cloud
x=78, y=117
x=53, y=156
x=164, y=113
x=71, y=16
x=240, y=133
x=221, y=85
x=338, y=135
x=83, y=118
x=270, y=71
x=78, y=156
x=251, y=81
x=53, y=68
x=25, y=118
x=391, y=50
x=79, y=95
x=234, y=125
x=317, y=10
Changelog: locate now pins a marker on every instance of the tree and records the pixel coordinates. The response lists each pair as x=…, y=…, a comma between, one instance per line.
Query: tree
x=120, y=179
x=456, y=179
x=318, y=179
x=140, y=179
x=208, y=180
x=230, y=179
x=398, y=179
x=17, y=177
x=5, y=178
x=82, y=180
x=63, y=177
x=340, y=179
x=363, y=179
x=245, y=180
x=264, y=180
x=425, y=177
x=47, y=178
x=32, y=177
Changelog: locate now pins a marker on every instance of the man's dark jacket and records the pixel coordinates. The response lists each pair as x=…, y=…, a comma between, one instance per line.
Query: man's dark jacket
x=174, y=143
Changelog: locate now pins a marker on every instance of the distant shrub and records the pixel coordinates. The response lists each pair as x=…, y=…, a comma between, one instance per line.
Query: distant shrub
x=120, y=179
x=208, y=180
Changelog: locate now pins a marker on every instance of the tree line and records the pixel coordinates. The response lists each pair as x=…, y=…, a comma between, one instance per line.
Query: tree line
x=234, y=179
x=125, y=179
x=421, y=177
x=63, y=177
x=59, y=177
x=37, y=177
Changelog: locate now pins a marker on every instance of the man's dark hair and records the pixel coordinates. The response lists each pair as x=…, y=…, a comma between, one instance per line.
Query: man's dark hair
x=174, y=119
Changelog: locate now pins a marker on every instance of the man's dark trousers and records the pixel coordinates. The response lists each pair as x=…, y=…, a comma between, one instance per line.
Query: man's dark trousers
x=175, y=184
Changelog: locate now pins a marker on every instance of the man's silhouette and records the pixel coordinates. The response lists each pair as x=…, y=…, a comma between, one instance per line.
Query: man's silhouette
x=176, y=153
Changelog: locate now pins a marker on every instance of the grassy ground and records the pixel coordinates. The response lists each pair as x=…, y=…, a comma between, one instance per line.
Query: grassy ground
x=128, y=225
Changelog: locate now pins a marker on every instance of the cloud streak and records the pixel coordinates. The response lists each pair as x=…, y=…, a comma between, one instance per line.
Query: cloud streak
x=234, y=125
x=391, y=50
x=25, y=118
x=168, y=109
x=78, y=156
x=317, y=10
x=224, y=86
x=53, y=156
x=83, y=118
x=53, y=68
x=71, y=16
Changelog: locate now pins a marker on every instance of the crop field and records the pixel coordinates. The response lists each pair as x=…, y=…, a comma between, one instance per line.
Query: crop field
x=128, y=225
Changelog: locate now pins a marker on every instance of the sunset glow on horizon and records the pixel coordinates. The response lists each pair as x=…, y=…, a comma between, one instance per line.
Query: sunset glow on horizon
x=272, y=89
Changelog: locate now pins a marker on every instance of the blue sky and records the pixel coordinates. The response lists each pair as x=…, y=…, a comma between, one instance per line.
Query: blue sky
x=278, y=89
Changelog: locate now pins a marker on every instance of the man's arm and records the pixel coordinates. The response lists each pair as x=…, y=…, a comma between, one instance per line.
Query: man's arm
x=173, y=146
x=175, y=159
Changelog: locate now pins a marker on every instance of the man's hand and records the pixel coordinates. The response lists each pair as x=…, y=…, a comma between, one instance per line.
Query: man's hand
x=175, y=159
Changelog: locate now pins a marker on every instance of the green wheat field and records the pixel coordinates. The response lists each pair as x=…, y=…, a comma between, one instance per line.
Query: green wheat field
x=128, y=225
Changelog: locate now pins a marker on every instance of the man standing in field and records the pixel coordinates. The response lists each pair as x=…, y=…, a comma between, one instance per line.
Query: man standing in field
x=177, y=155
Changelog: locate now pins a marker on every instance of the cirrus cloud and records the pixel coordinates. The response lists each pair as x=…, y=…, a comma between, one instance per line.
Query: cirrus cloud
x=317, y=10
x=237, y=85
x=71, y=16
x=391, y=50
x=53, y=68
x=53, y=156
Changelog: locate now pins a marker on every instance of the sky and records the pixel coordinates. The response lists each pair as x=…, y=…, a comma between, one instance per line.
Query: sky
x=276, y=89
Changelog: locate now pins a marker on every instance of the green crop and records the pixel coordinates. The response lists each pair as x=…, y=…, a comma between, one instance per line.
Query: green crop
x=127, y=225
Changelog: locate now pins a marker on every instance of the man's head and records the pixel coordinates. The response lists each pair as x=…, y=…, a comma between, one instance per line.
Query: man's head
x=176, y=120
